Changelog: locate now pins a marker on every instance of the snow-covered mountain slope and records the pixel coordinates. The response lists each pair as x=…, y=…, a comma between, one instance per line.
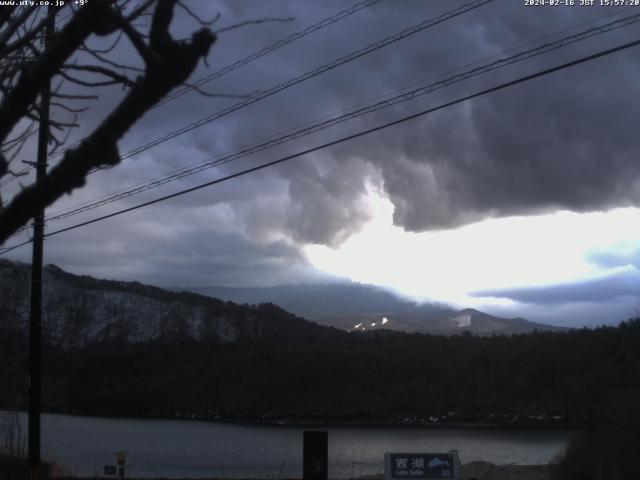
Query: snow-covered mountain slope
x=81, y=310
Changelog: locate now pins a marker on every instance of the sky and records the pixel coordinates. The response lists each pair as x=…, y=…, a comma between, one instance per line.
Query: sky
x=523, y=202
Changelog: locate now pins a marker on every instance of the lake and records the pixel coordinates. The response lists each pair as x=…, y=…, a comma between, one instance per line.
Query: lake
x=191, y=448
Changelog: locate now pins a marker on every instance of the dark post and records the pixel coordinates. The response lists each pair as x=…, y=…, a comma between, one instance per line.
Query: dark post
x=315, y=452
x=35, y=323
x=121, y=457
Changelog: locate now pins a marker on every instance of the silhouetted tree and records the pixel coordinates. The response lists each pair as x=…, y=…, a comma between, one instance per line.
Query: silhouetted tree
x=26, y=65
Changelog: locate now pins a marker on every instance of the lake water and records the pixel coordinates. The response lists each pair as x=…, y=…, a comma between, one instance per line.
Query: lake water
x=184, y=448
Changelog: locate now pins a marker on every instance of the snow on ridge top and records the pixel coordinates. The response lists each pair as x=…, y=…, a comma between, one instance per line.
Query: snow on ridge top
x=462, y=320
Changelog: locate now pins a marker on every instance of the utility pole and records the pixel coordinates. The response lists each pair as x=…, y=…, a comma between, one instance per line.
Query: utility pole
x=35, y=321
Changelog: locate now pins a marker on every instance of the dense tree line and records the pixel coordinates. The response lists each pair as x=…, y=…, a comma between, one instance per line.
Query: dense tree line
x=371, y=377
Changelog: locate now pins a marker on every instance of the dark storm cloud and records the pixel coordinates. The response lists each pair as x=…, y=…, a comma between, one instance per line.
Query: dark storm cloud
x=612, y=287
x=563, y=142
x=167, y=248
x=573, y=314
x=602, y=301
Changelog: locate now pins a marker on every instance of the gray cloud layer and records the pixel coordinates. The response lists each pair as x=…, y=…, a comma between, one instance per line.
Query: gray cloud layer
x=564, y=142
x=610, y=288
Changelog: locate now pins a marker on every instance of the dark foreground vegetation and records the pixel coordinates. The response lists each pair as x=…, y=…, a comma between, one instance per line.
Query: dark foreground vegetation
x=382, y=376
x=607, y=452
x=584, y=378
x=13, y=467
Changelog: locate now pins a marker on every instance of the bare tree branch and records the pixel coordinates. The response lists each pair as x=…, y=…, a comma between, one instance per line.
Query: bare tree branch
x=107, y=49
x=60, y=143
x=75, y=97
x=137, y=41
x=252, y=22
x=97, y=54
x=13, y=24
x=169, y=64
x=68, y=108
x=141, y=9
x=30, y=35
x=115, y=77
x=88, y=20
x=205, y=23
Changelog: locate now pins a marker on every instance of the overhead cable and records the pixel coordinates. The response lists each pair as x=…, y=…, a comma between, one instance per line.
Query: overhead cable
x=350, y=115
x=362, y=133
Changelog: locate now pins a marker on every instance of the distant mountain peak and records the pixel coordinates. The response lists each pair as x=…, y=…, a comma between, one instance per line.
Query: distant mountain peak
x=361, y=307
x=81, y=310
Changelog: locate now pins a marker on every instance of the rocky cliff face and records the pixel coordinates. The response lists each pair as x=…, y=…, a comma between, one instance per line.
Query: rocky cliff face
x=79, y=311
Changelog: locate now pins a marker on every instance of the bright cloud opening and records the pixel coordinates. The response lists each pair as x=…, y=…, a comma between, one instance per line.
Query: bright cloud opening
x=493, y=254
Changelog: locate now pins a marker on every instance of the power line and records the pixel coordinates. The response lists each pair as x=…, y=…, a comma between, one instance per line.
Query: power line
x=362, y=133
x=332, y=121
x=209, y=163
x=262, y=94
x=271, y=48
x=325, y=22
x=14, y=247
x=10, y=179
x=306, y=76
x=25, y=59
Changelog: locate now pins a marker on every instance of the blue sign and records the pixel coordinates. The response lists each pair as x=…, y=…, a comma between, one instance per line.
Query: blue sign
x=420, y=466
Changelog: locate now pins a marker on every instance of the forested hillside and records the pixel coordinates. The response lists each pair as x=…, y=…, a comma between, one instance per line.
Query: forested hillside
x=538, y=379
x=81, y=311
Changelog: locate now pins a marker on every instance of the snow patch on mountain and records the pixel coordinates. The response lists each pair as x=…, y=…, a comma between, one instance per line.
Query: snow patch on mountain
x=462, y=321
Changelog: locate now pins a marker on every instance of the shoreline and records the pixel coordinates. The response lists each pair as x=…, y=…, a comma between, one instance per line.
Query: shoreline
x=480, y=470
x=507, y=422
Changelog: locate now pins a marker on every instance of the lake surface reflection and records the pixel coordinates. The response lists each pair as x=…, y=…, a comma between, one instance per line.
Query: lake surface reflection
x=190, y=449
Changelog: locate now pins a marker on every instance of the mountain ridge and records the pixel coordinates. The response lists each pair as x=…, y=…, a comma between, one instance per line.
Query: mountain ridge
x=356, y=306
x=79, y=310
